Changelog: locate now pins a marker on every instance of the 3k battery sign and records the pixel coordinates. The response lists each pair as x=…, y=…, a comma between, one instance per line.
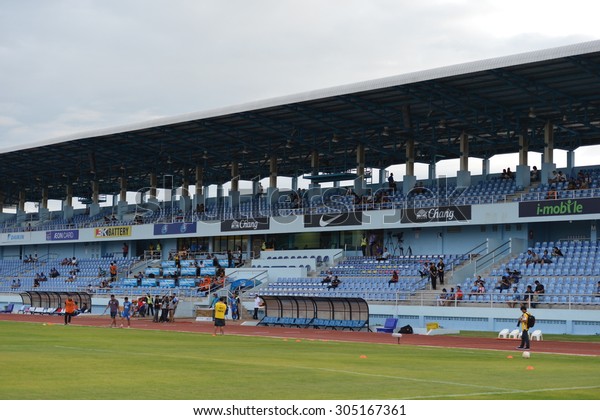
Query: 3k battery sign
x=333, y=220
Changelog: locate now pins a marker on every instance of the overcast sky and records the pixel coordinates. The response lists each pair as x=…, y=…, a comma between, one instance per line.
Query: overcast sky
x=70, y=66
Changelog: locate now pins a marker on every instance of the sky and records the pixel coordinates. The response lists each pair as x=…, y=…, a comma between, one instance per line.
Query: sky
x=71, y=66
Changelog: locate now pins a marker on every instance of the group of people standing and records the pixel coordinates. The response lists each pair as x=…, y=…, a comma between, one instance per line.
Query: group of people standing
x=162, y=309
x=434, y=271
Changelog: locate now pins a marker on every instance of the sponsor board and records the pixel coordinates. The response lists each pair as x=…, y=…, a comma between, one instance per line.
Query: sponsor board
x=259, y=223
x=568, y=207
x=16, y=237
x=174, y=228
x=62, y=235
x=329, y=220
x=112, y=232
x=437, y=214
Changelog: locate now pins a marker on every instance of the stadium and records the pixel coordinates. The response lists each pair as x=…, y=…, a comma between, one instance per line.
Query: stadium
x=267, y=199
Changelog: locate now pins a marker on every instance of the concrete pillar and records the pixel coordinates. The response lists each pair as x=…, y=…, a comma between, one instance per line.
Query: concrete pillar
x=235, y=176
x=273, y=191
x=43, y=210
x=463, y=177
x=410, y=157
x=359, y=183
x=485, y=168
x=2, y=198
x=522, y=174
x=199, y=196
x=123, y=189
x=21, y=215
x=548, y=164
x=570, y=163
x=67, y=205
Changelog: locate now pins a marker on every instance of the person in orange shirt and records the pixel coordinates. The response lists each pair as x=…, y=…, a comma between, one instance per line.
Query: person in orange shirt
x=70, y=308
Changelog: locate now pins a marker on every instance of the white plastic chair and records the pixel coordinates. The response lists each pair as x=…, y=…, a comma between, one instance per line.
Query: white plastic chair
x=514, y=334
x=537, y=335
x=503, y=333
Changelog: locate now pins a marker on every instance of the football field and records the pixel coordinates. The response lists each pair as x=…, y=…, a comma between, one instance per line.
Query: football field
x=54, y=362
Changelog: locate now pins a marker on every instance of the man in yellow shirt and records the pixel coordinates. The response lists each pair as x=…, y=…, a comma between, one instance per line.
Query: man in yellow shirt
x=220, y=310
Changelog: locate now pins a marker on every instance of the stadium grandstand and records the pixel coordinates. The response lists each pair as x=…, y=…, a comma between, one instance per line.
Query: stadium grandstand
x=160, y=208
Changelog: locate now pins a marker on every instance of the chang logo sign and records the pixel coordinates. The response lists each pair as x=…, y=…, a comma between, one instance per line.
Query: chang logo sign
x=259, y=223
x=437, y=214
x=570, y=207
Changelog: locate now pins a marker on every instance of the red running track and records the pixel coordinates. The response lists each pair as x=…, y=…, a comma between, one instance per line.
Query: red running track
x=236, y=328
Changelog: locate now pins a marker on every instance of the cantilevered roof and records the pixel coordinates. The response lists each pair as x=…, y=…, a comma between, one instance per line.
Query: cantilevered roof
x=491, y=101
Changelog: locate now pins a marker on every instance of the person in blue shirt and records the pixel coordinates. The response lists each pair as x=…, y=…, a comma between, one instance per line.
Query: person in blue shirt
x=126, y=312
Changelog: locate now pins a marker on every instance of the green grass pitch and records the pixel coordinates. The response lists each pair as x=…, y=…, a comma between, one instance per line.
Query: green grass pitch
x=55, y=362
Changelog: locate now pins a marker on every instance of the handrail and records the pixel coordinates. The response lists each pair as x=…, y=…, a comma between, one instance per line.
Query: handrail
x=490, y=258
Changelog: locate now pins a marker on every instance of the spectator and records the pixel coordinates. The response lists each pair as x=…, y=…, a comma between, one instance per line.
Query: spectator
x=384, y=256
x=545, y=259
x=503, y=284
x=334, y=283
x=529, y=295
x=514, y=298
x=459, y=293
x=534, y=174
x=598, y=289
x=441, y=300
x=556, y=252
x=258, y=303
x=394, y=278
x=537, y=293
x=532, y=258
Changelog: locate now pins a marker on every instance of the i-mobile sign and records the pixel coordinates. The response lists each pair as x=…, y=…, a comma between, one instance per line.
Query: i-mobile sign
x=570, y=207
x=333, y=220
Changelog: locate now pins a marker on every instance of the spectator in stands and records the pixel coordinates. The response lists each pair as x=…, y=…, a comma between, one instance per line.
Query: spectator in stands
x=328, y=277
x=36, y=283
x=334, y=283
x=440, y=270
x=598, y=289
x=545, y=259
x=384, y=255
x=459, y=295
x=125, y=250
x=392, y=183
x=424, y=272
x=529, y=295
x=54, y=273
x=503, y=284
x=65, y=261
x=538, y=293
x=16, y=284
x=532, y=258
x=442, y=297
x=513, y=275
x=113, y=271
x=509, y=174
x=74, y=261
x=229, y=258
x=556, y=252
x=433, y=275
x=553, y=178
x=513, y=298
x=562, y=177
x=394, y=278
x=552, y=194
x=534, y=174
x=363, y=245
